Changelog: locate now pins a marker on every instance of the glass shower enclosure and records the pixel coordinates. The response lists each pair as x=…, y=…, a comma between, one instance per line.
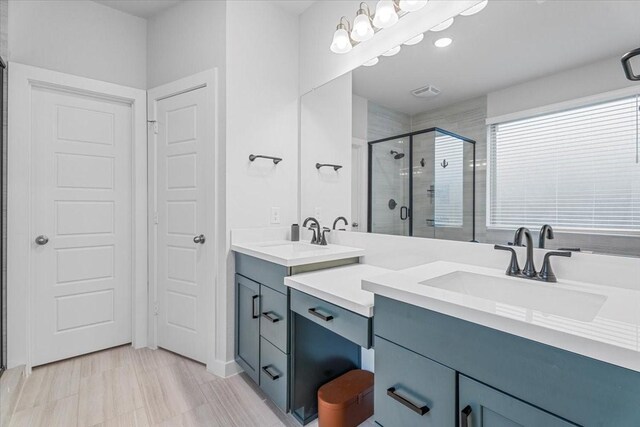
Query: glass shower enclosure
x=423, y=184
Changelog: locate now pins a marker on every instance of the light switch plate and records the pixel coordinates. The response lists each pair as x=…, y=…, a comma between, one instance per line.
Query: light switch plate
x=275, y=215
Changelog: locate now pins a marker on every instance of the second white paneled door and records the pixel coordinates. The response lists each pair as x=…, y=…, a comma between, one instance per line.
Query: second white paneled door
x=81, y=204
x=184, y=274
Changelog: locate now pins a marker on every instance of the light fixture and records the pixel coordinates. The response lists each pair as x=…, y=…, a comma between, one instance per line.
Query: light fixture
x=341, y=42
x=386, y=14
x=392, y=51
x=443, y=25
x=443, y=42
x=414, y=40
x=411, y=5
x=362, y=29
x=475, y=9
x=371, y=62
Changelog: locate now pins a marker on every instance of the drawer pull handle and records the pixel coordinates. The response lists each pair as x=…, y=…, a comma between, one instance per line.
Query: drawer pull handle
x=421, y=410
x=314, y=311
x=465, y=417
x=266, y=370
x=267, y=315
x=256, y=311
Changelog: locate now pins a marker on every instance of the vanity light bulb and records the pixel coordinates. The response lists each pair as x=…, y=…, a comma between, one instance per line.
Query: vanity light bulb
x=371, y=62
x=475, y=9
x=412, y=5
x=341, y=42
x=386, y=14
x=362, y=29
x=443, y=25
x=415, y=40
x=443, y=42
x=392, y=51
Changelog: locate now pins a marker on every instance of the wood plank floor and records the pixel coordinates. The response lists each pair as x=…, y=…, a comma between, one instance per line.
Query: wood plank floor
x=123, y=387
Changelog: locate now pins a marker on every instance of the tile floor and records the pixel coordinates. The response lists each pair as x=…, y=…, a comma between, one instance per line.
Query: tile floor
x=123, y=387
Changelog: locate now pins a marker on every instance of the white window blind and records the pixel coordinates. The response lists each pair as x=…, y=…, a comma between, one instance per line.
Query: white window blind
x=448, y=208
x=576, y=169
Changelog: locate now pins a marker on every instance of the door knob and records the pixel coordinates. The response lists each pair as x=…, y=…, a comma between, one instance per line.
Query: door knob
x=199, y=239
x=42, y=240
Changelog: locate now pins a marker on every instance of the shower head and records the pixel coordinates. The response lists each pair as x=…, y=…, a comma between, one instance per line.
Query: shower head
x=397, y=155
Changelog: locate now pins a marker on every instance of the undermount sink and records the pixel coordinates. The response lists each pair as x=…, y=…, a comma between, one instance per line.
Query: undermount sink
x=544, y=297
x=294, y=247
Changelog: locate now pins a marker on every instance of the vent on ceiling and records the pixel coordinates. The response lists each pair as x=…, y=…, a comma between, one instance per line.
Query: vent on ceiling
x=426, y=91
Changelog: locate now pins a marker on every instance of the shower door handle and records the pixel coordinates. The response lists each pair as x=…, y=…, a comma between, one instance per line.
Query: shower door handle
x=404, y=213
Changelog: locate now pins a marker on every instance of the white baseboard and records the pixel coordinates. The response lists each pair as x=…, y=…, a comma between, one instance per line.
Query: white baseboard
x=224, y=369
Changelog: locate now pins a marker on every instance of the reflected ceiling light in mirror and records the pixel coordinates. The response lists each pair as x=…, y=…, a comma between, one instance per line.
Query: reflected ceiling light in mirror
x=386, y=14
x=392, y=51
x=341, y=42
x=443, y=25
x=415, y=40
x=362, y=29
x=371, y=62
x=443, y=42
x=411, y=5
x=475, y=9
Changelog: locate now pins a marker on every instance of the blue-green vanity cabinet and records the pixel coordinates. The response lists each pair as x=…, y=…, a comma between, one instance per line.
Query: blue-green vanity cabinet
x=248, y=325
x=506, y=380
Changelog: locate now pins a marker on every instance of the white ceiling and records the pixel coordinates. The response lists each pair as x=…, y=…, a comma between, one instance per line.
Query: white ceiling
x=141, y=8
x=509, y=42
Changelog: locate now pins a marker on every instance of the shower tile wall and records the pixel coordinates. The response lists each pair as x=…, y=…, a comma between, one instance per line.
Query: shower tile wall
x=390, y=181
x=468, y=119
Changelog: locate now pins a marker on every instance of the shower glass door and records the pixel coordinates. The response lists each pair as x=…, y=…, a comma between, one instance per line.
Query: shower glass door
x=389, y=187
x=424, y=185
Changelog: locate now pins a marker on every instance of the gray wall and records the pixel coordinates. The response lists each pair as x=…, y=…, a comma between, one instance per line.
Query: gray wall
x=4, y=10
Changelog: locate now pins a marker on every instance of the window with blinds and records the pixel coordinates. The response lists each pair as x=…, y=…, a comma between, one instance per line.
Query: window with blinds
x=449, y=169
x=577, y=169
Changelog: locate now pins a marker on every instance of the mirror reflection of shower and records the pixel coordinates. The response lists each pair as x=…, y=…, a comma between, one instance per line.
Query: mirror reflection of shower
x=396, y=155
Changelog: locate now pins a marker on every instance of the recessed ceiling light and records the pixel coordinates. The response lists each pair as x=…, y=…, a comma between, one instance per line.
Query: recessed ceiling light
x=415, y=40
x=443, y=25
x=371, y=62
x=475, y=9
x=392, y=51
x=443, y=42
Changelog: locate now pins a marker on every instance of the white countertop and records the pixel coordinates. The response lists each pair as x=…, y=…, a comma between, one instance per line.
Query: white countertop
x=606, y=328
x=340, y=286
x=290, y=254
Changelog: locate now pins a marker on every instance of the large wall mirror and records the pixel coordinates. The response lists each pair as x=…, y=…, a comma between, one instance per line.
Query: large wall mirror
x=519, y=116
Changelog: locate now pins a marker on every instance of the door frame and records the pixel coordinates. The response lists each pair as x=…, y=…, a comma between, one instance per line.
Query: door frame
x=359, y=145
x=22, y=79
x=207, y=80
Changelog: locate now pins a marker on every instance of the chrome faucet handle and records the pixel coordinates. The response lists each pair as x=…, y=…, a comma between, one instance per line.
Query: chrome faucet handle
x=546, y=273
x=514, y=268
x=323, y=239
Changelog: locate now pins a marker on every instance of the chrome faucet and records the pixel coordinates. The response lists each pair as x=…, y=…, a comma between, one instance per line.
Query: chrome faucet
x=315, y=227
x=546, y=232
x=529, y=269
x=340, y=218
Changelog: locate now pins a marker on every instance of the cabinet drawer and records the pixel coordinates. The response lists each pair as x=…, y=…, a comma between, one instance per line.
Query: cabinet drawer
x=273, y=317
x=482, y=406
x=411, y=390
x=343, y=322
x=262, y=271
x=273, y=373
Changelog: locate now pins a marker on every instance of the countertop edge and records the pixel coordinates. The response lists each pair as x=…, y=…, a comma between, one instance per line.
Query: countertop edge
x=362, y=310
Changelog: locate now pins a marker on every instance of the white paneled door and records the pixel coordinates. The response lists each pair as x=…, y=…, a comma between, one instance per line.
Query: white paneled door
x=184, y=231
x=81, y=223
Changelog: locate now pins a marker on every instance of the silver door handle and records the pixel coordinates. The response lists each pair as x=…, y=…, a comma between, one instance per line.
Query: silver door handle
x=42, y=240
x=199, y=239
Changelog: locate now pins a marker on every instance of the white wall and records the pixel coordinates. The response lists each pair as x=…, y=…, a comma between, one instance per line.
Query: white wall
x=79, y=37
x=185, y=39
x=262, y=118
x=591, y=79
x=325, y=137
x=318, y=65
x=359, y=117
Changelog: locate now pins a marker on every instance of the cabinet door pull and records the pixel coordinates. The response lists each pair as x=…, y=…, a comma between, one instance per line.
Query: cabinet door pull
x=267, y=315
x=421, y=410
x=266, y=370
x=465, y=417
x=256, y=310
x=314, y=311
